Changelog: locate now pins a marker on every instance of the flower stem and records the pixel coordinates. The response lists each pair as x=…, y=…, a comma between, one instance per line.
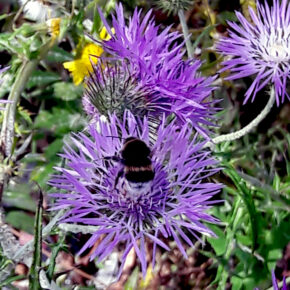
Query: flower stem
x=185, y=33
x=238, y=134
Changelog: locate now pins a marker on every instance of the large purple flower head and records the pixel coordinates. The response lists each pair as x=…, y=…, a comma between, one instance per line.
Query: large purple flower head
x=261, y=49
x=97, y=187
x=2, y=70
x=155, y=61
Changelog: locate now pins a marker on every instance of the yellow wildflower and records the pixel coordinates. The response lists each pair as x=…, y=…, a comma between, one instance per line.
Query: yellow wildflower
x=53, y=27
x=82, y=66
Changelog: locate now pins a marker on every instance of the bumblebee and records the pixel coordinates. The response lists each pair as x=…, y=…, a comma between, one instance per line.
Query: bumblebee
x=137, y=169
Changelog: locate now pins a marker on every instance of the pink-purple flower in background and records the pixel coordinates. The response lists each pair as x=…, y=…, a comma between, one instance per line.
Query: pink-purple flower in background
x=260, y=48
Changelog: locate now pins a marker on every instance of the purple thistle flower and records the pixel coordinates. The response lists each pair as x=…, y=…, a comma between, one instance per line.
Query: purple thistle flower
x=2, y=70
x=172, y=205
x=261, y=49
x=155, y=61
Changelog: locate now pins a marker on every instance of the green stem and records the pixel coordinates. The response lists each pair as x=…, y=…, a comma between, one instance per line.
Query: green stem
x=7, y=132
x=185, y=33
x=238, y=134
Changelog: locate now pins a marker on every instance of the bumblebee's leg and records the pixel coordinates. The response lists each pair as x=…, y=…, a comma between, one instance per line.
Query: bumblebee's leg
x=120, y=173
x=114, y=158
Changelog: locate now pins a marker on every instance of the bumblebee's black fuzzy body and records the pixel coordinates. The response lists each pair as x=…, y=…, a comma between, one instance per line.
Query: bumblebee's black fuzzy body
x=135, y=156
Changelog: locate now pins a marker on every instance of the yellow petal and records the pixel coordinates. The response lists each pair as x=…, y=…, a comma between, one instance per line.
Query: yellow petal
x=104, y=33
x=54, y=26
x=91, y=51
x=81, y=67
x=78, y=69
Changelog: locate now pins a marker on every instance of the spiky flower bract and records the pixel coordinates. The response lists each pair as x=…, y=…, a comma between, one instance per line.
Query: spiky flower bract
x=155, y=62
x=261, y=48
x=173, y=6
x=173, y=205
x=112, y=87
x=2, y=70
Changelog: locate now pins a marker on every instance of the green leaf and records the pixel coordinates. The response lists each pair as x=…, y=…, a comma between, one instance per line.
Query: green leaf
x=11, y=279
x=205, y=32
x=20, y=220
x=18, y=196
x=225, y=16
x=59, y=121
x=67, y=91
x=273, y=256
x=219, y=244
x=34, y=283
x=56, y=248
x=247, y=198
x=53, y=149
x=42, y=174
x=58, y=55
x=41, y=78
x=132, y=281
x=237, y=283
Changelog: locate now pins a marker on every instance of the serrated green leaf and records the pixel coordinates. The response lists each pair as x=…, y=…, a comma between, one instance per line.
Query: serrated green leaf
x=59, y=55
x=67, y=91
x=59, y=121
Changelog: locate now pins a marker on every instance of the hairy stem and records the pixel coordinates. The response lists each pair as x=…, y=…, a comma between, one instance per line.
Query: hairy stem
x=185, y=33
x=7, y=131
x=238, y=134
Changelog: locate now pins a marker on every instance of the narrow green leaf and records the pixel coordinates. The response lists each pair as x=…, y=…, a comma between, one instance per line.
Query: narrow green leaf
x=247, y=198
x=205, y=32
x=55, y=250
x=11, y=279
x=34, y=283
